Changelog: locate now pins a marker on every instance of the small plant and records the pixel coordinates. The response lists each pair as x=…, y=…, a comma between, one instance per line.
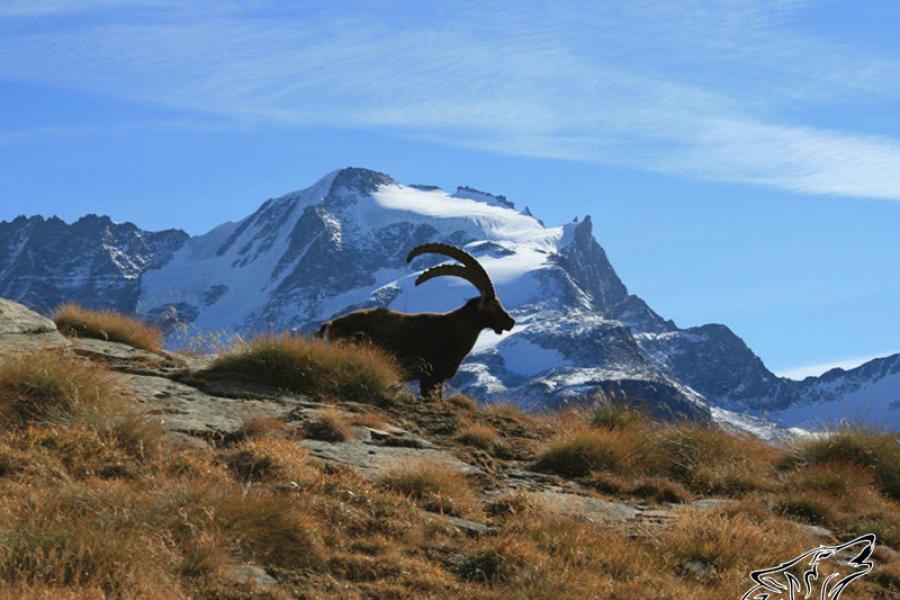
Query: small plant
x=616, y=415
x=434, y=486
x=512, y=504
x=73, y=320
x=877, y=451
x=358, y=373
x=499, y=561
x=810, y=507
x=478, y=435
x=368, y=419
x=463, y=402
x=55, y=387
x=579, y=452
x=330, y=425
x=269, y=459
x=657, y=489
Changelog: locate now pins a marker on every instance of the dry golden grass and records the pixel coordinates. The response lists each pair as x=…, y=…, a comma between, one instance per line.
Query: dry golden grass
x=508, y=412
x=701, y=458
x=464, y=402
x=266, y=426
x=658, y=489
x=434, y=486
x=582, y=451
x=108, y=325
x=329, y=425
x=89, y=509
x=368, y=419
x=478, y=435
x=873, y=450
x=512, y=504
x=615, y=415
x=358, y=373
x=55, y=387
x=269, y=459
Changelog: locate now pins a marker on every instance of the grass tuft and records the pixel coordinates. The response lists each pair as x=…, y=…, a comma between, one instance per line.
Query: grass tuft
x=356, y=373
x=616, y=415
x=578, y=453
x=75, y=321
x=869, y=449
x=434, y=486
x=55, y=387
x=330, y=425
x=478, y=435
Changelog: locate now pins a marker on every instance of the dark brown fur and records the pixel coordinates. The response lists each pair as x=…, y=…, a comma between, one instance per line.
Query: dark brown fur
x=429, y=346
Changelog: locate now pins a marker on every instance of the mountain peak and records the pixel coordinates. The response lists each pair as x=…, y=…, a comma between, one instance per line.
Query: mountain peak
x=360, y=179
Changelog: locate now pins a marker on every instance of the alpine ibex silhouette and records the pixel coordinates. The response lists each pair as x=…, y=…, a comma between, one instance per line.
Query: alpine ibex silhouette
x=429, y=346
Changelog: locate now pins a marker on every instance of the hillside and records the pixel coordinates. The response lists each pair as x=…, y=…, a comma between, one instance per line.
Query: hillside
x=341, y=244
x=131, y=473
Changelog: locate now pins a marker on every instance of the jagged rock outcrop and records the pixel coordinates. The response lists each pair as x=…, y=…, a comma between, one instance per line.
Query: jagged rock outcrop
x=94, y=261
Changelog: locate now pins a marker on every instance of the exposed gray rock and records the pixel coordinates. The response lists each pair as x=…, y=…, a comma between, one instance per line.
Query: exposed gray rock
x=22, y=330
x=373, y=459
x=187, y=410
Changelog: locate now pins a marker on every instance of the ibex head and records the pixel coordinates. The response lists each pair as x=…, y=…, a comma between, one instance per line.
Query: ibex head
x=487, y=306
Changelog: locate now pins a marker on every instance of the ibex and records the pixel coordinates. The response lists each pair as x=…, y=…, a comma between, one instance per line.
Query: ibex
x=429, y=346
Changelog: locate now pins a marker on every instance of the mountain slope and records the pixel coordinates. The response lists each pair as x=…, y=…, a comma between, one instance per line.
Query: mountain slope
x=341, y=244
x=94, y=261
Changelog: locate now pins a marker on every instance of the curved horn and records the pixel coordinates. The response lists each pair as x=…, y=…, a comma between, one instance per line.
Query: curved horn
x=457, y=270
x=472, y=271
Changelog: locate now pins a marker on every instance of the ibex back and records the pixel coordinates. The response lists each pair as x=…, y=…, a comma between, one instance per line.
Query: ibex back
x=429, y=346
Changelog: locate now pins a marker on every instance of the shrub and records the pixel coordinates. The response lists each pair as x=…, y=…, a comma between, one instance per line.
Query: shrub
x=735, y=543
x=810, y=507
x=511, y=504
x=359, y=373
x=266, y=426
x=368, y=419
x=500, y=561
x=658, y=489
x=434, y=486
x=81, y=536
x=579, y=452
x=270, y=459
x=711, y=460
x=836, y=478
x=479, y=435
x=463, y=402
x=615, y=415
x=55, y=387
x=330, y=425
x=107, y=325
x=865, y=448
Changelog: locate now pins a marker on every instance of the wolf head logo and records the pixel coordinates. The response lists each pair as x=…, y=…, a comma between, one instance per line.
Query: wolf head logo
x=818, y=574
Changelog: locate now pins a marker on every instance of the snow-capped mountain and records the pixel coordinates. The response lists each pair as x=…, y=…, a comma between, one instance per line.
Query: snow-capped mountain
x=94, y=261
x=342, y=243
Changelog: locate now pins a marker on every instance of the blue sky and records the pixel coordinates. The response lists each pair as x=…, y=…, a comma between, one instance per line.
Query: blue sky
x=740, y=158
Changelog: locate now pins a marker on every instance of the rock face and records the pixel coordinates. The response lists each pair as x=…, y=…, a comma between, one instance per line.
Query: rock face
x=22, y=330
x=94, y=261
x=341, y=244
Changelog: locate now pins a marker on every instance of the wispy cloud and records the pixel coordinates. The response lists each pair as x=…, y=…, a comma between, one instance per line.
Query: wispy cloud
x=699, y=89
